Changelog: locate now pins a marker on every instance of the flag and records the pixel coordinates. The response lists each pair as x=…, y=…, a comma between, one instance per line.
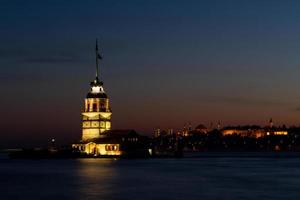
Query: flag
x=98, y=55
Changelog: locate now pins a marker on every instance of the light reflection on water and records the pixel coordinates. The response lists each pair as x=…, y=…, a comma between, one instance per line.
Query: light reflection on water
x=201, y=178
x=97, y=178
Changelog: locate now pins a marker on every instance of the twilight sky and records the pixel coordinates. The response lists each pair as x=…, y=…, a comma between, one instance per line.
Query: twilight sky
x=165, y=63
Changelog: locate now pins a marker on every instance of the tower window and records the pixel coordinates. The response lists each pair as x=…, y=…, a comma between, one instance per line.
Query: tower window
x=102, y=106
x=94, y=107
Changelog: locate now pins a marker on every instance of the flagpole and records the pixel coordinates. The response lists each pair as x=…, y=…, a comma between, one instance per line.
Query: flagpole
x=97, y=72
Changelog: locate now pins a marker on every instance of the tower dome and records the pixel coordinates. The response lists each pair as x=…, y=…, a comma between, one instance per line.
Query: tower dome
x=97, y=90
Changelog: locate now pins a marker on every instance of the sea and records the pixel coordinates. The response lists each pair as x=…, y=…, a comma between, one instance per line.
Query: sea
x=197, y=176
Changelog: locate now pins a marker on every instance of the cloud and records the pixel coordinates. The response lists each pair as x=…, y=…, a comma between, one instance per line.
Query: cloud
x=245, y=100
x=45, y=56
x=52, y=59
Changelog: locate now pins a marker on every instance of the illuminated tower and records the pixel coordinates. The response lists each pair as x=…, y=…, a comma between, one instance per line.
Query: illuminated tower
x=96, y=117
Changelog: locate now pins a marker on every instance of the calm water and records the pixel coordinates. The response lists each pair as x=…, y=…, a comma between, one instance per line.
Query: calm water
x=189, y=178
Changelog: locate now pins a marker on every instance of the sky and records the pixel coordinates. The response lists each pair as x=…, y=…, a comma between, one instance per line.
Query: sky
x=165, y=64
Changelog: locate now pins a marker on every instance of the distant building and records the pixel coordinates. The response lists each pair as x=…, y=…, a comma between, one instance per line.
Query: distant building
x=201, y=129
x=170, y=131
x=271, y=124
x=187, y=129
x=254, y=131
x=157, y=132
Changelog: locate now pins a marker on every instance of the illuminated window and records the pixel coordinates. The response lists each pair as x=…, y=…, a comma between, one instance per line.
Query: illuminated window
x=102, y=124
x=108, y=147
x=111, y=147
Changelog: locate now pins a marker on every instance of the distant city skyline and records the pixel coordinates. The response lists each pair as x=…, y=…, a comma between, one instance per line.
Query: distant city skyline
x=165, y=63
